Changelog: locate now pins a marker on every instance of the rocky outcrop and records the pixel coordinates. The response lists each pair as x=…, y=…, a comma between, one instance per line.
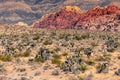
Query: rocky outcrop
x=65, y=18
x=72, y=17
x=104, y=19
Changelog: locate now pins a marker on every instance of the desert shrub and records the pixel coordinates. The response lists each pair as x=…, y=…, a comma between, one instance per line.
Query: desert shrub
x=24, y=54
x=116, y=44
x=47, y=42
x=30, y=60
x=56, y=56
x=85, y=36
x=65, y=54
x=53, y=33
x=39, y=59
x=62, y=65
x=36, y=37
x=101, y=67
x=90, y=62
x=100, y=58
x=105, y=54
x=64, y=36
x=93, y=44
x=82, y=48
x=102, y=37
x=80, y=78
x=56, y=61
x=110, y=49
x=72, y=43
x=80, y=37
x=77, y=37
x=49, y=51
x=32, y=45
x=57, y=49
x=41, y=51
x=61, y=36
x=83, y=67
x=88, y=51
x=5, y=57
x=112, y=43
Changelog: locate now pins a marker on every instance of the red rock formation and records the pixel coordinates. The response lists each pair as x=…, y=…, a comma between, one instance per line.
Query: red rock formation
x=65, y=18
x=73, y=17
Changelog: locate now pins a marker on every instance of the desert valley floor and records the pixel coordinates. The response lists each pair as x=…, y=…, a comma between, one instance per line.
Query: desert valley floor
x=58, y=54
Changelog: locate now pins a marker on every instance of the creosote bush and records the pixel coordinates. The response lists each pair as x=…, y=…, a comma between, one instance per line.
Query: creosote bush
x=36, y=37
x=80, y=78
x=110, y=49
x=53, y=34
x=56, y=56
x=93, y=44
x=90, y=62
x=65, y=54
x=47, y=42
x=83, y=67
x=39, y=59
x=5, y=58
x=56, y=61
x=24, y=54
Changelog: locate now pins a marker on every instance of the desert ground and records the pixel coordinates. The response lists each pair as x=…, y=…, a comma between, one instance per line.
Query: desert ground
x=28, y=53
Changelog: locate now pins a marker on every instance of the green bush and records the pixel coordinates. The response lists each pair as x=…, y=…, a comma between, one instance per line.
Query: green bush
x=93, y=44
x=77, y=37
x=83, y=67
x=56, y=56
x=36, y=37
x=90, y=62
x=110, y=49
x=24, y=54
x=53, y=34
x=56, y=61
x=47, y=42
x=80, y=78
x=39, y=59
x=101, y=67
x=65, y=54
x=5, y=58
x=49, y=51
x=85, y=36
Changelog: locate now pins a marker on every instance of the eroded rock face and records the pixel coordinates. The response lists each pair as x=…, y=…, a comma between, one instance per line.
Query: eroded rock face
x=72, y=17
x=65, y=18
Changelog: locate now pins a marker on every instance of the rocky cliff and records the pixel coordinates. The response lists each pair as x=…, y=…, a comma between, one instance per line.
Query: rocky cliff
x=102, y=18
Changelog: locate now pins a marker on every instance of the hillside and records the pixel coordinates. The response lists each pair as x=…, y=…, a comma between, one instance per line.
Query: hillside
x=71, y=17
x=28, y=11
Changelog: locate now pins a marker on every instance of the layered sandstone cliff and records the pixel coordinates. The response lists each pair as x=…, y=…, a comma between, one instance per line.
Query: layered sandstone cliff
x=107, y=18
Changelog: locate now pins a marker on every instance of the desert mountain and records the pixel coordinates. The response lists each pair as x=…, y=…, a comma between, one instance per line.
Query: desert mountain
x=28, y=11
x=102, y=18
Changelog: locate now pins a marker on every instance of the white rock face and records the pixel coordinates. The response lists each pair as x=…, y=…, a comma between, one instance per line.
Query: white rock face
x=22, y=24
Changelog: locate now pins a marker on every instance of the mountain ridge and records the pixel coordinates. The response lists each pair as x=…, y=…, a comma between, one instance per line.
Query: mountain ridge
x=29, y=11
x=72, y=18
